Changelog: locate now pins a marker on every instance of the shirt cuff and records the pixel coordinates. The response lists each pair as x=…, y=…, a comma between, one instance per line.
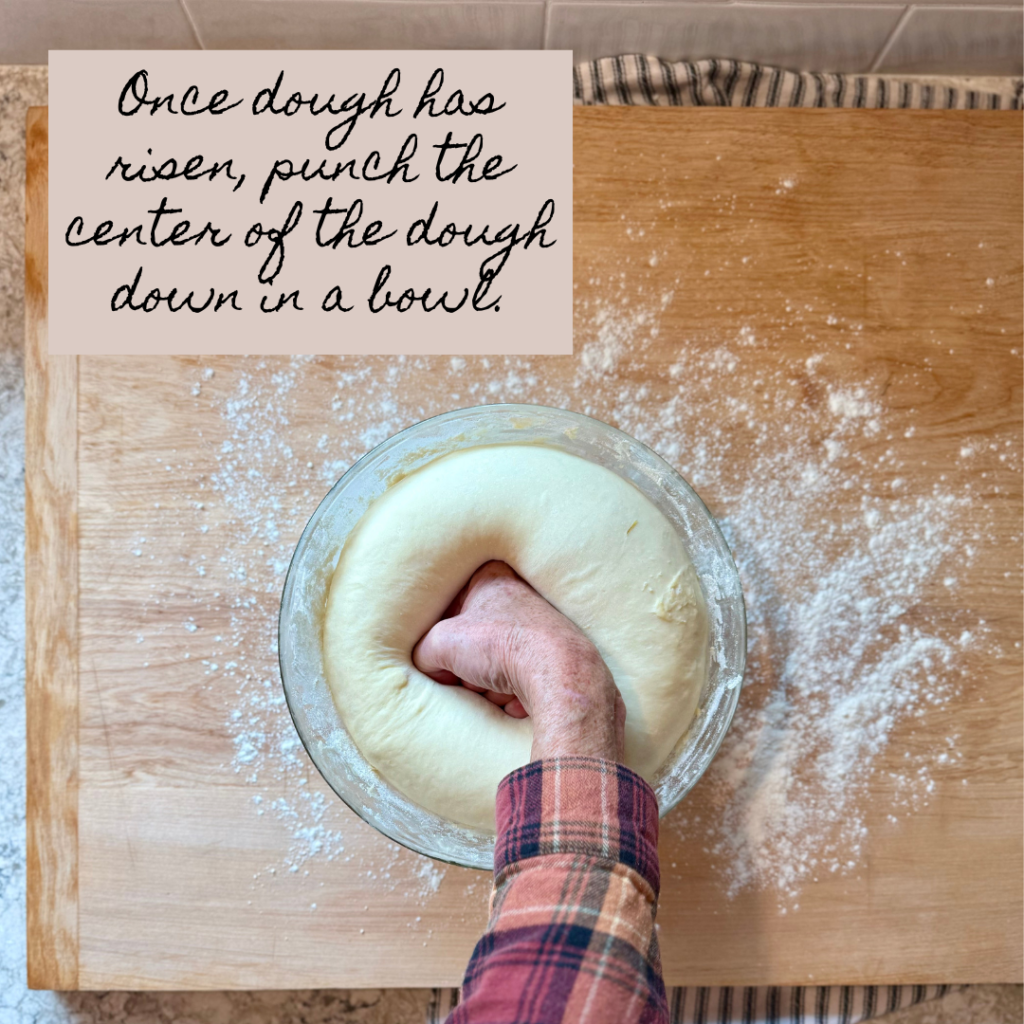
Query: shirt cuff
x=578, y=805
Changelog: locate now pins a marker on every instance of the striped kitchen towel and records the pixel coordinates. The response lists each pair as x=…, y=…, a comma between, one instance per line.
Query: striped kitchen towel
x=826, y=1004
x=634, y=80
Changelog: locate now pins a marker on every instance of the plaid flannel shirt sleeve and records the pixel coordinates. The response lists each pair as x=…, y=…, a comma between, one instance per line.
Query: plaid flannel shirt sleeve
x=571, y=934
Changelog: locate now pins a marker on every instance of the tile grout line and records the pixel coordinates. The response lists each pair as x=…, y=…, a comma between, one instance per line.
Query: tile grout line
x=191, y=24
x=890, y=39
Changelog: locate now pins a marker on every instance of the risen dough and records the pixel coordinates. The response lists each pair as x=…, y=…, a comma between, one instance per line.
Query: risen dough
x=583, y=537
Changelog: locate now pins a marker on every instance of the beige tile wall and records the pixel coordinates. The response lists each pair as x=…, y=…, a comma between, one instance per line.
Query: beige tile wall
x=974, y=37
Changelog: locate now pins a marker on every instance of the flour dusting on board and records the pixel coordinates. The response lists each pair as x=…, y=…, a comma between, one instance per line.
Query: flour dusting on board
x=844, y=658
x=257, y=533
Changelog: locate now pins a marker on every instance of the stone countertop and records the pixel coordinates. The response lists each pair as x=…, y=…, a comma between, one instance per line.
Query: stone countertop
x=21, y=88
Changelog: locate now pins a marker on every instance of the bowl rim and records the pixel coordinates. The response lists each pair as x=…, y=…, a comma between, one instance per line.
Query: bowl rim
x=393, y=441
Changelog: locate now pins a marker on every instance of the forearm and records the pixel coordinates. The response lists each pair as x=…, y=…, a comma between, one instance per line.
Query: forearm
x=571, y=935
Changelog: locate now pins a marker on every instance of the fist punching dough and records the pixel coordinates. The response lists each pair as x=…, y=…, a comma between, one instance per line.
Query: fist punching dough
x=587, y=541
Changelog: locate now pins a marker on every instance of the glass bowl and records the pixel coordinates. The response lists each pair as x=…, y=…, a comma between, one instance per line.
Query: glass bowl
x=300, y=627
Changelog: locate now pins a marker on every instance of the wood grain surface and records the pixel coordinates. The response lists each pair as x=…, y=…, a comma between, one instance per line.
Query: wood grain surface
x=861, y=244
x=51, y=608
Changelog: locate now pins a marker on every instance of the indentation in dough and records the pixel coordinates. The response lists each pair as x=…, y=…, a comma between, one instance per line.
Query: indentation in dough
x=561, y=522
x=679, y=601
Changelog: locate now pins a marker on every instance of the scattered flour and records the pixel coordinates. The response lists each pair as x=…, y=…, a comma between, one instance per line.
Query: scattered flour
x=851, y=404
x=806, y=472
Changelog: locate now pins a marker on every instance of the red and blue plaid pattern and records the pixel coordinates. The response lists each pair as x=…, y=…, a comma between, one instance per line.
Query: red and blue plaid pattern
x=571, y=934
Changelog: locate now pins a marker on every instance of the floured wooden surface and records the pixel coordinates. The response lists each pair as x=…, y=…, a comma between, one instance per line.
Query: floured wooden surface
x=819, y=325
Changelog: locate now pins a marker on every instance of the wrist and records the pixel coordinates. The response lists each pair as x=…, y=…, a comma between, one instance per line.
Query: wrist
x=569, y=693
x=578, y=725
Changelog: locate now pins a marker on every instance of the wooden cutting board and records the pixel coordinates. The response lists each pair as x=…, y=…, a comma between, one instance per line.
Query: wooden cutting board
x=879, y=253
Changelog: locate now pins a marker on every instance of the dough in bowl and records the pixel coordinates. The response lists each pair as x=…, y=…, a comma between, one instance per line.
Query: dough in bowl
x=586, y=539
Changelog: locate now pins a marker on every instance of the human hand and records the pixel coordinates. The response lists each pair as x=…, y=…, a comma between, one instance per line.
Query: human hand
x=501, y=639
